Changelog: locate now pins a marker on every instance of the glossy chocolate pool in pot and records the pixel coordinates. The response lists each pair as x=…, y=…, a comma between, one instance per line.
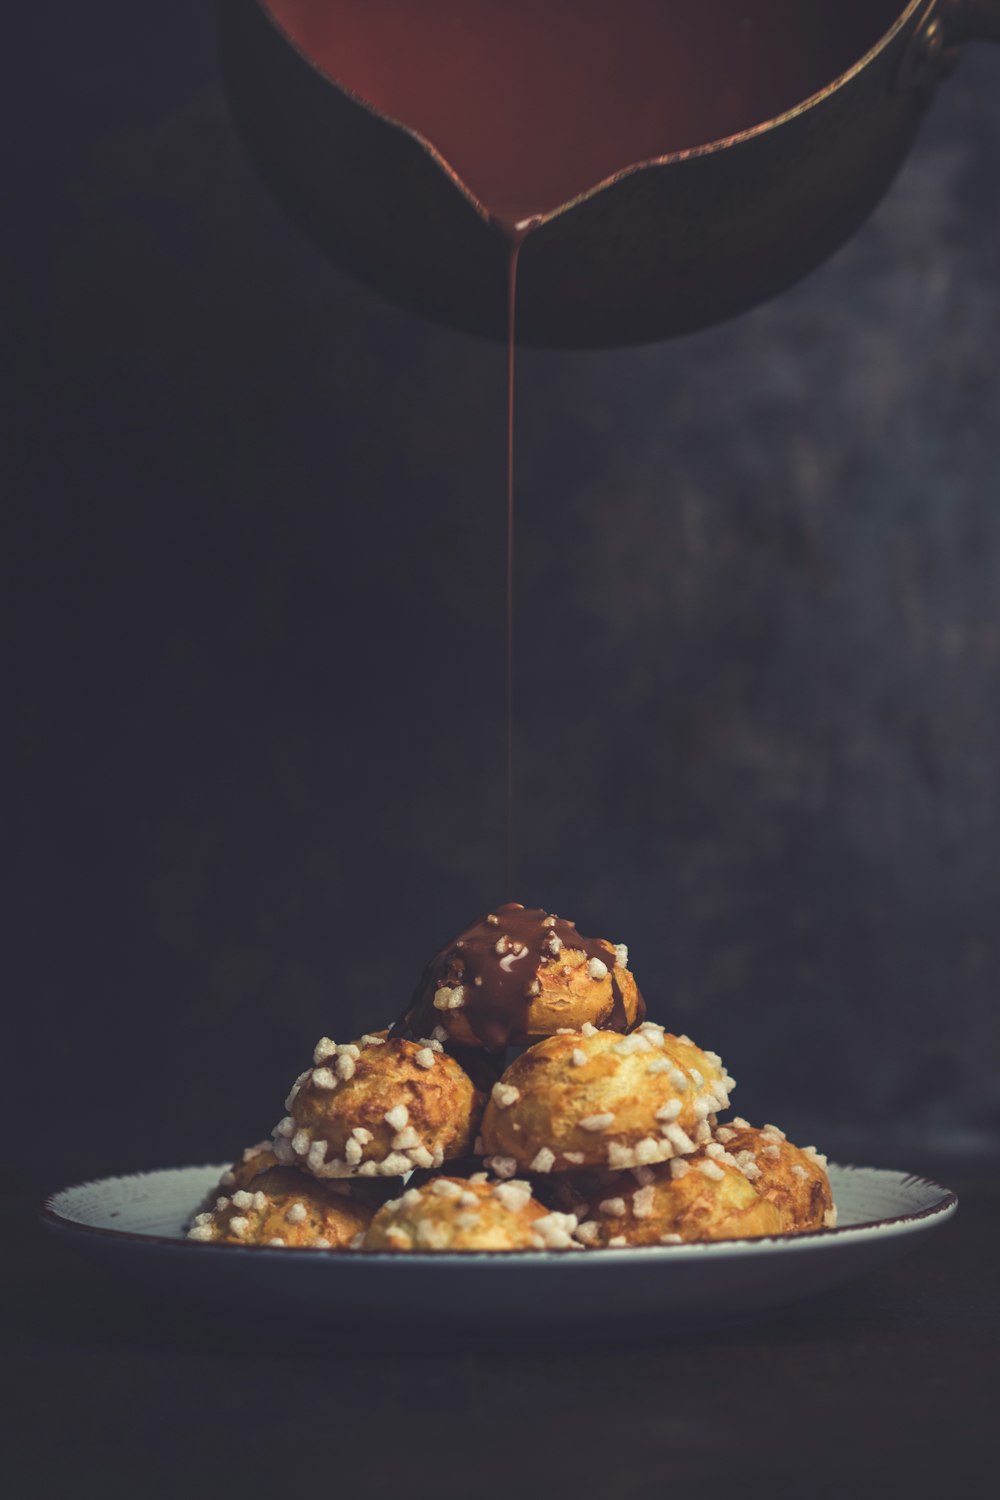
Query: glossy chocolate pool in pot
x=532, y=102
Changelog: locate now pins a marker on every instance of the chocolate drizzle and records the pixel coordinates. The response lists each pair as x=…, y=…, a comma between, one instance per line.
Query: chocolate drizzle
x=515, y=235
x=496, y=963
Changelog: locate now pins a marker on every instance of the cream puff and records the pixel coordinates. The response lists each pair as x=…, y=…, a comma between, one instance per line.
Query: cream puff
x=592, y=1098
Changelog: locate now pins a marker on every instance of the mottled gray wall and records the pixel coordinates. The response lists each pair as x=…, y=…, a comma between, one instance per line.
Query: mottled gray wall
x=257, y=592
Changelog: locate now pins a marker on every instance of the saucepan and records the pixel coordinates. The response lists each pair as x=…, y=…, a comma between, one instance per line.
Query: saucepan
x=662, y=247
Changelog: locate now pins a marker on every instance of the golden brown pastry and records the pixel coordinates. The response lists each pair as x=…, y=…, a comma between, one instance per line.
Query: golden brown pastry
x=593, y=1098
x=284, y=1207
x=255, y=1159
x=453, y=1213
x=700, y=1197
x=261, y=1158
x=378, y=1108
x=793, y=1178
x=519, y=974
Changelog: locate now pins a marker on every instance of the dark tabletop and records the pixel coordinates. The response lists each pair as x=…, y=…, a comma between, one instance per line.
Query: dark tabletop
x=888, y=1386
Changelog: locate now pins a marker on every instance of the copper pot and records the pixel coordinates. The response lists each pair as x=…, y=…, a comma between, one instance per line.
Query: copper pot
x=664, y=248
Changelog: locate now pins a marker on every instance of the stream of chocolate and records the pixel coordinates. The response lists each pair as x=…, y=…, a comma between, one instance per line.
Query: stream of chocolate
x=515, y=235
x=513, y=254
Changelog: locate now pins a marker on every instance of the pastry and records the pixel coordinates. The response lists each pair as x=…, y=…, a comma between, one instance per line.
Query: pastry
x=703, y=1196
x=519, y=974
x=378, y=1107
x=254, y=1160
x=793, y=1178
x=592, y=1098
x=284, y=1207
x=452, y=1213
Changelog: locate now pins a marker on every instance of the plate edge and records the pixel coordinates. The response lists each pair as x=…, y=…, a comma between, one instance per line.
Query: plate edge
x=943, y=1209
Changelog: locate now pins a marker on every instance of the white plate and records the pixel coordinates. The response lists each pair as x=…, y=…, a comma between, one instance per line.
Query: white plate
x=135, y=1225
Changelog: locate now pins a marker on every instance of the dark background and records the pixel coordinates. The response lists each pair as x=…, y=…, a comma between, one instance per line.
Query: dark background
x=255, y=593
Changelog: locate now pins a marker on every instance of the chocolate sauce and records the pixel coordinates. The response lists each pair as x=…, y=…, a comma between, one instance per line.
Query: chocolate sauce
x=513, y=253
x=515, y=235
x=496, y=962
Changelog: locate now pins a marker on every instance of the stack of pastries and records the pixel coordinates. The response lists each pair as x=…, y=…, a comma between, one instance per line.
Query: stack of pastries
x=521, y=1102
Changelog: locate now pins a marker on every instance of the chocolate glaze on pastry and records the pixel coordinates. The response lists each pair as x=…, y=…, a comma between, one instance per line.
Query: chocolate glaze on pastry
x=482, y=986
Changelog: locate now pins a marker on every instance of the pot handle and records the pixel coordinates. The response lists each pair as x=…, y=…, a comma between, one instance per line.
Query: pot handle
x=933, y=48
x=971, y=21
